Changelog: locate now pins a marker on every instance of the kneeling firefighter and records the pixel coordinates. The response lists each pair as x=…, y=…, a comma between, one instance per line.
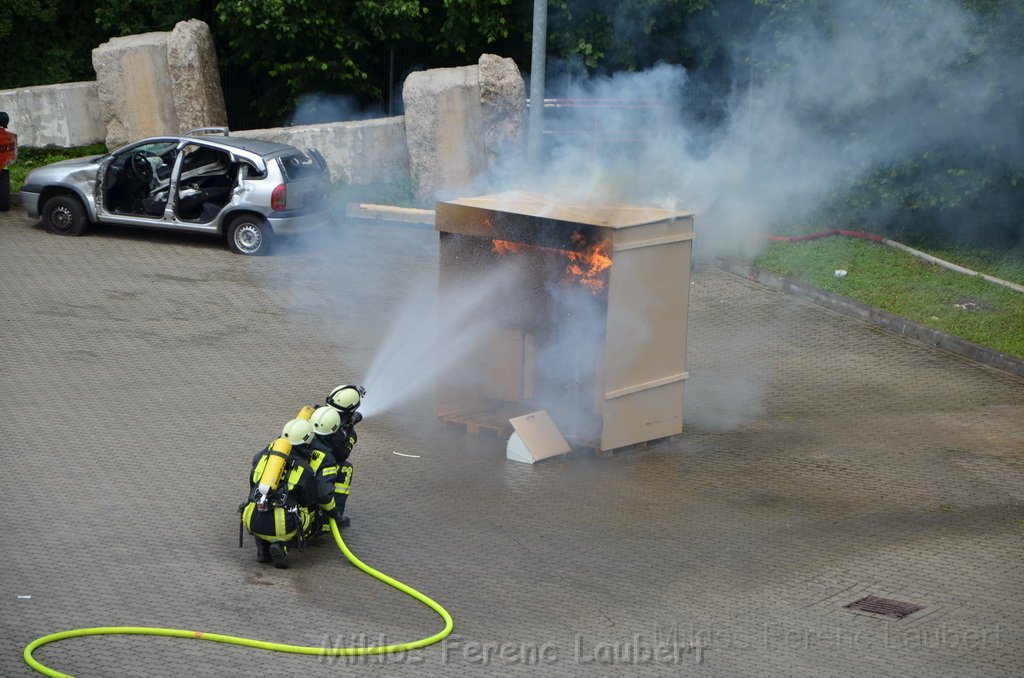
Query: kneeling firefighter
x=282, y=502
x=335, y=430
x=337, y=472
x=340, y=441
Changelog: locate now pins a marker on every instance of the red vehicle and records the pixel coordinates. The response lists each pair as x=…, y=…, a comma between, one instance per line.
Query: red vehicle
x=8, y=154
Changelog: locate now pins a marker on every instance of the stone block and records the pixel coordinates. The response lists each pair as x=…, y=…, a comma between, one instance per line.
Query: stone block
x=443, y=130
x=503, y=100
x=158, y=83
x=134, y=86
x=463, y=126
x=195, y=79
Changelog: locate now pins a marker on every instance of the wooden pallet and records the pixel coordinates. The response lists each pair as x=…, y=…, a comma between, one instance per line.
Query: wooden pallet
x=494, y=416
x=494, y=419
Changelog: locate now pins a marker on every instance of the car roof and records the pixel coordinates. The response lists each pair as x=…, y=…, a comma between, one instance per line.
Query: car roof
x=267, y=149
x=245, y=145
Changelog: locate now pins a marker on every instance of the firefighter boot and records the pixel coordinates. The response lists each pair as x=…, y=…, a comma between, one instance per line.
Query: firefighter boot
x=338, y=515
x=279, y=554
x=339, y=509
x=262, y=550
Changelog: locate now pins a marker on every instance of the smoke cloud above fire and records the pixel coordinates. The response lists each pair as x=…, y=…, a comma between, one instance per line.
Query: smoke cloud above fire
x=890, y=79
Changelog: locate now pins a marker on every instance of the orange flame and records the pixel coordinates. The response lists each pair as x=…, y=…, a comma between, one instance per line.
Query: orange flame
x=589, y=263
x=506, y=247
x=585, y=265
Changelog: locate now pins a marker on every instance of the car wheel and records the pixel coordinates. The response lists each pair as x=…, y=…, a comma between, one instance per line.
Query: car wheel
x=64, y=215
x=250, y=236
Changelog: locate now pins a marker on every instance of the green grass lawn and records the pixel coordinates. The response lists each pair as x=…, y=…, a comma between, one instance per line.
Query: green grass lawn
x=899, y=283
x=1000, y=264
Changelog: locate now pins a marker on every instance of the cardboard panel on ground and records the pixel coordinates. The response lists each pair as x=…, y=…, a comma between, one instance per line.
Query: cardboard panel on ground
x=535, y=438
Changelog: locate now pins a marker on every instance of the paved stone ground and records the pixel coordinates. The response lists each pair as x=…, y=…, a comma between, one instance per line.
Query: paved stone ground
x=824, y=460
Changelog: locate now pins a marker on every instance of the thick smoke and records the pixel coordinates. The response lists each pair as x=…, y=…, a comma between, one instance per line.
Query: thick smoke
x=857, y=86
x=866, y=84
x=312, y=109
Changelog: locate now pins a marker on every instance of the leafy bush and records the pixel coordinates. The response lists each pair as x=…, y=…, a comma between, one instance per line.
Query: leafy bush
x=935, y=200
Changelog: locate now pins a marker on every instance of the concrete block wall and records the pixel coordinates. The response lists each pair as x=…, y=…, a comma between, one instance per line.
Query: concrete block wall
x=362, y=152
x=64, y=115
x=460, y=123
x=68, y=115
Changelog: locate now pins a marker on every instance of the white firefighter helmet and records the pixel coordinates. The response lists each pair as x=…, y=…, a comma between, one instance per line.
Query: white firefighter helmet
x=325, y=420
x=298, y=431
x=345, y=398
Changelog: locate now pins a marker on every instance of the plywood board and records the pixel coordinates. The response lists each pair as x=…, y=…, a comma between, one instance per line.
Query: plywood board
x=648, y=303
x=546, y=206
x=645, y=415
x=540, y=435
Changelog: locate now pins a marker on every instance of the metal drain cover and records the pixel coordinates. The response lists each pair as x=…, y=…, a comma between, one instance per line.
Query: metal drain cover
x=885, y=607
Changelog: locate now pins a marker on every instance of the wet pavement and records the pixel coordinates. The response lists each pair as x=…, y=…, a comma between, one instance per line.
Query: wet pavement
x=824, y=460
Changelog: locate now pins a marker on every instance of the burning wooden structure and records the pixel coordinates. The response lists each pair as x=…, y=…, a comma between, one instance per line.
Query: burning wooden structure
x=592, y=326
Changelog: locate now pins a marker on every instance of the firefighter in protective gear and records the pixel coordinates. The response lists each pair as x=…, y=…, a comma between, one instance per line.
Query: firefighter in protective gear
x=327, y=426
x=300, y=432
x=282, y=502
x=346, y=398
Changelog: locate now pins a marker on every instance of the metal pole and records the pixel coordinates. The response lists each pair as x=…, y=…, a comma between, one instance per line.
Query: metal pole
x=391, y=81
x=537, y=65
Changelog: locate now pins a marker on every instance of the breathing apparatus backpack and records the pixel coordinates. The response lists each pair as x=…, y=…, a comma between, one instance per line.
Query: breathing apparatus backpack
x=269, y=473
x=272, y=512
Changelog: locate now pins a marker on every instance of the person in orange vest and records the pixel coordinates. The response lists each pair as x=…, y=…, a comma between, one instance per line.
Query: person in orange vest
x=8, y=155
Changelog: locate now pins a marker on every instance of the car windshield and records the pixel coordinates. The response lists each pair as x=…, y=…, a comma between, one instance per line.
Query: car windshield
x=164, y=147
x=156, y=148
x=298, y=165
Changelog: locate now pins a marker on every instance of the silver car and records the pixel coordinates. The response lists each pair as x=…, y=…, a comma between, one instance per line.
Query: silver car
x=205, y=181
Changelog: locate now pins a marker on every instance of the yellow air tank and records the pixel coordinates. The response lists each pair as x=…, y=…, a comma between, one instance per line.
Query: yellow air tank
x=306, y=412
x=279, y=451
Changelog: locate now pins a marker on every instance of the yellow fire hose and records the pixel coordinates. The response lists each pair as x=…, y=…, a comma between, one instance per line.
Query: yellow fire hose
x=261, y=644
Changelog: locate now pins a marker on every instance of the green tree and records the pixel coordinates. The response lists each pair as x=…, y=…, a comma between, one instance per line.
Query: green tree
x=631, y=35
x=956, y=173
x=130, y=17
x=470, y=27
x=305, y=47
x=308, y=46
x=45, y=42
